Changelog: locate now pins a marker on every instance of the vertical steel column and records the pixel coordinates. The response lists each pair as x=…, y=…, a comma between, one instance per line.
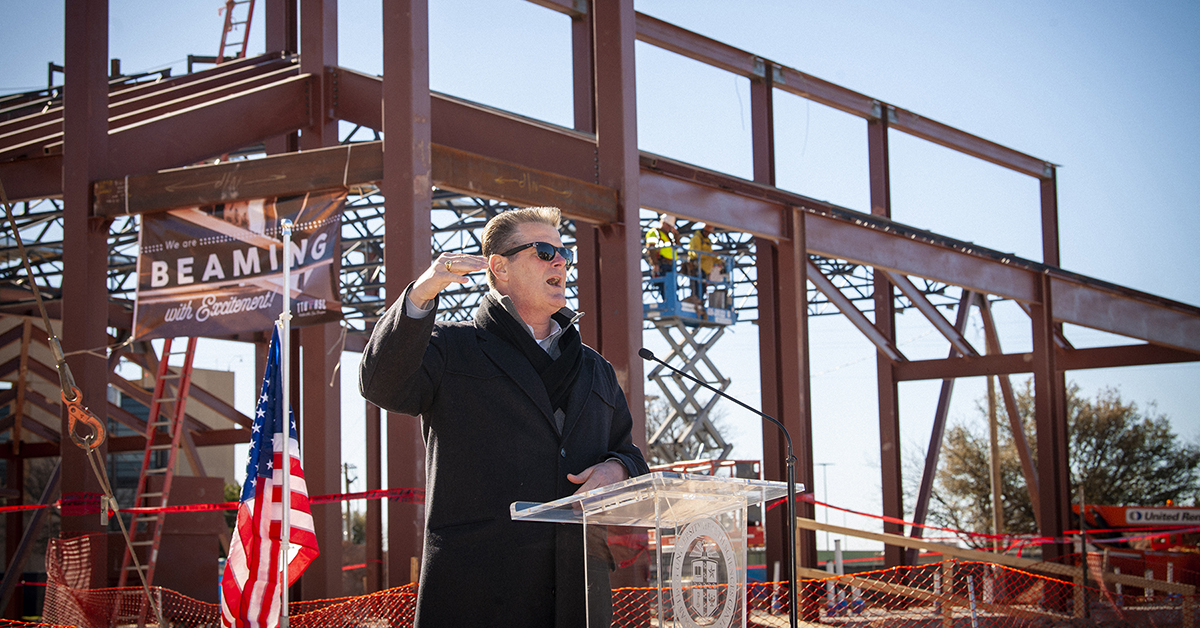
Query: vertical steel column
x=766, y=261
x=586, y=234
x=1051, y=420
x=374, y=531
x=885, y=322
x=1051, y=423
x=783, y=340
x=1048, y=188
x=619, y=244
x=770, y=310
x=319, y=50
x=797, y=407
x=407, y=242
x=282, y=26
x=1056, y=406
x=282, y=34
x=85, y=249
x=321, y=416
x=783, y=366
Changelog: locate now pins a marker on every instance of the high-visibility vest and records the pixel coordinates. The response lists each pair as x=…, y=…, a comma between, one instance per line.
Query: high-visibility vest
x=700, y=247
x=661, y=240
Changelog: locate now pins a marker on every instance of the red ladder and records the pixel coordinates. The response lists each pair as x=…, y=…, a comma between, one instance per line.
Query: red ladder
x=169, y=400
x=231, y=24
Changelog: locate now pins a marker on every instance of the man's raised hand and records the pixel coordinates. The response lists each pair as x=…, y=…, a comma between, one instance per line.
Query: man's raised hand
x=448, y=268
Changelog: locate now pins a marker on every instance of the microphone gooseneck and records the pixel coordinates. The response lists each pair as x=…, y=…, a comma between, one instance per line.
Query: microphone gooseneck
x=647, y=354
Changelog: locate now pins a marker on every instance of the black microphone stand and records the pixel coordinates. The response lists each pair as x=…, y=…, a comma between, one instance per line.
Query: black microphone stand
x=646, y=354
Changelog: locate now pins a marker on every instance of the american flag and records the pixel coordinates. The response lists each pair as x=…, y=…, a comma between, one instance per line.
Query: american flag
x=250, y=593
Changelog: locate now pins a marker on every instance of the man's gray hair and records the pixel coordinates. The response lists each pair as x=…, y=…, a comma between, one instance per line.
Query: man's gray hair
x=499, y=233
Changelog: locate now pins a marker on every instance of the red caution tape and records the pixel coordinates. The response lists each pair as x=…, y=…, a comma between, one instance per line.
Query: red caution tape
x=79, y=504
x=182, y=508
x=28, y=507
x=76, y=504
x=403, y=495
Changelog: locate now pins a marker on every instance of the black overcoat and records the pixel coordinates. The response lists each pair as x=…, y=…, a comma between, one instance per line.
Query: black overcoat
x=490, y=440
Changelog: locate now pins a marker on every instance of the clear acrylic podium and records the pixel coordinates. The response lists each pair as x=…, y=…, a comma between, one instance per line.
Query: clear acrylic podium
x=672, y=545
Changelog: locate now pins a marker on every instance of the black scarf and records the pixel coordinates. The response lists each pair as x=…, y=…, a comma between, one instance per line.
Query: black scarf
x=558, y=375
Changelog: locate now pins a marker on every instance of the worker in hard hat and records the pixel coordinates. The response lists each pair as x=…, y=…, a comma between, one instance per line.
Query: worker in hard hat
x=661, y=239
x=701, y=259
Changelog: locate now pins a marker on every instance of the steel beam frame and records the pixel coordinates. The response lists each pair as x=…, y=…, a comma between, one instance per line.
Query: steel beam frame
x=406, y=185
x=860, y=257
x=85, y=250
x=619, y=243
x=319, y=347
x=587, y=236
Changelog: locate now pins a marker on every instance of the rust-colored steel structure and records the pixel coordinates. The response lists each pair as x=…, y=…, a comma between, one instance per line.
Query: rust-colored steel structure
x=101, y=152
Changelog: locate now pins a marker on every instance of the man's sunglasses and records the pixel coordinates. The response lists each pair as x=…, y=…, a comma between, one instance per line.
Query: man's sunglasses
x=545, y=251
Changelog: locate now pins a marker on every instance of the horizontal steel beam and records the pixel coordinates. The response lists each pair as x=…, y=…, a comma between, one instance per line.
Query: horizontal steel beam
x=177, y=138
x=274, y=175
x=829, y=94
x=352, y=164
x=898, y=251
x=963, y=142
x=1066, y=360
x=573, y=8
x=679, y=197
x=359, y=97
x=141, y=97
x=1126, y=312
x=471, y=174
x=516, y=139
x=737, y=61
x=33, y=136
x=213, y=128
x=730, y=202
x=32, y=179
x=698, y=47
x=1121, y=355
x=476, y=128
x=966, y=366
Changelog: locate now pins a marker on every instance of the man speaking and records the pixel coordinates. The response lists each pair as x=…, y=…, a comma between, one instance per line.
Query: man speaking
x=513, y=407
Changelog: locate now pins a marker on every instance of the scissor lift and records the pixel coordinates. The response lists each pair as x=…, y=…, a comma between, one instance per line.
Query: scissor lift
x=691, y=326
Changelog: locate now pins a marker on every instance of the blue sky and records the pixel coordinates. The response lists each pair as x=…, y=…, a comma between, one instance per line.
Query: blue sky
x=1106, y=89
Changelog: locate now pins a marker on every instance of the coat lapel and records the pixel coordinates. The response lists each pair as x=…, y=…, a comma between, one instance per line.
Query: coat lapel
x=513, y=363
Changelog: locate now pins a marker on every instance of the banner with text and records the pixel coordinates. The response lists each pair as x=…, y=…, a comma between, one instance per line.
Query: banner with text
x=218, y=270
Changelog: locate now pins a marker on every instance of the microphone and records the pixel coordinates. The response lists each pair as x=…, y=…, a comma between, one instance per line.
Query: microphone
x=648, y=355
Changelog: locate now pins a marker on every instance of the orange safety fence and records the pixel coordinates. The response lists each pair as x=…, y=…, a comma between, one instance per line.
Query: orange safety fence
x=947, y=594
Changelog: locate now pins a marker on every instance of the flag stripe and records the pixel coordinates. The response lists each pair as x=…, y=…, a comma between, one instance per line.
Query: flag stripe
x=251, y=584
